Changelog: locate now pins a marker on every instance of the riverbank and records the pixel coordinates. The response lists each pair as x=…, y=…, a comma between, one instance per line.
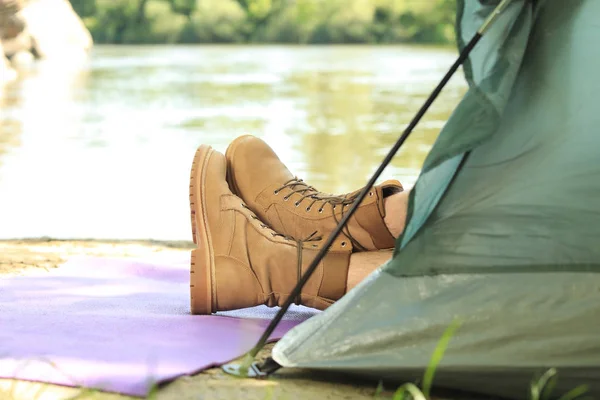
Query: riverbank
x=25, y=256
x=33, y=256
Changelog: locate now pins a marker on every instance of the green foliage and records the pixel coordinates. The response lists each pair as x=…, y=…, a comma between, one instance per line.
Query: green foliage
x=437, y=356
x=136, y=21
x=433, y=25
x=183, y=7
x=257, y=10
x=409, y=391
x=268, y=21
x=85, y=8
x=542, y=388
x=216, y=21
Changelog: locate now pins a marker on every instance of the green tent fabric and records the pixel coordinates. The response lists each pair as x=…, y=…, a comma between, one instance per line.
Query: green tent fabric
x=504, y=225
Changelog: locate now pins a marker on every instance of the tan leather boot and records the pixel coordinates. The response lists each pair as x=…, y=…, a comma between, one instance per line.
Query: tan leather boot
x=293, y=208
x=239, y=261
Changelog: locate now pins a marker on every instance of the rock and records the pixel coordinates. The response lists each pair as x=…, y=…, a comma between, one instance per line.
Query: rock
x=11, y=26
x=22, y=59
x=22, y=42
x=7, y=73
x=55, y=29
x=11, y=23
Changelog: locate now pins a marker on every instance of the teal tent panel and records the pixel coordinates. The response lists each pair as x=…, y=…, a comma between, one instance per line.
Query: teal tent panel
x=525, y=198
x=424, y=201
x=490, y=71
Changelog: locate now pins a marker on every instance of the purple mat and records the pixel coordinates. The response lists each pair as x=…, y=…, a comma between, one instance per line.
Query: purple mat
x=119, y=326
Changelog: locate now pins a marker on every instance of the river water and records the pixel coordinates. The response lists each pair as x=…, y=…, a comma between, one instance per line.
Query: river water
x=101, y=147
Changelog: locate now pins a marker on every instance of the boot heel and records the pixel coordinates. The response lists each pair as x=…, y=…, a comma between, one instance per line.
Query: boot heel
x=200, y=287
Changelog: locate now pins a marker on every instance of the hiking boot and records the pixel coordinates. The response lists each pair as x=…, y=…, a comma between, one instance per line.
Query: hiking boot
x=240, y=262
x=293, y=208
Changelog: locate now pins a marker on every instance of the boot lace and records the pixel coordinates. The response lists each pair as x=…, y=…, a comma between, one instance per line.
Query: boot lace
x=313, y=237
x=313, y=196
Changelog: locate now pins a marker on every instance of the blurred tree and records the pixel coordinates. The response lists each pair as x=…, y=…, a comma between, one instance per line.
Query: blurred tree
x=431, y=22
x=261, y=12
x=183, y=7
x=217, y=21
x=84, y=8
x=141, y=12
x=282, y=21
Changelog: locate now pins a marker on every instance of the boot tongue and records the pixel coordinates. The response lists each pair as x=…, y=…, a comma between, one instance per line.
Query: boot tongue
x=299, y=184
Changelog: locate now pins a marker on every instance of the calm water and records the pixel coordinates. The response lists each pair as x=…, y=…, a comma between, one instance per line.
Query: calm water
x=102, y=147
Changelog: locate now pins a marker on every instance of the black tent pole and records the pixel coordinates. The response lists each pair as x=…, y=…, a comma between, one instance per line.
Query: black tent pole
x=252, y=370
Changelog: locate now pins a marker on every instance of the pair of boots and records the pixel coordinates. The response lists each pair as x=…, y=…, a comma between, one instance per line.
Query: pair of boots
x=257, y=228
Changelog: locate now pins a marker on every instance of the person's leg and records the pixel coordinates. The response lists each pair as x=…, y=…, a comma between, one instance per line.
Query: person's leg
x=363, y=264
x=396, y=207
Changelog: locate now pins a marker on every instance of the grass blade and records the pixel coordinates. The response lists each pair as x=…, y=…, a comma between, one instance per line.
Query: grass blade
x=411, y=390
x=379, y=390
x=575, y=393
x=549, y=385
x=437, y=356
x=544, y=385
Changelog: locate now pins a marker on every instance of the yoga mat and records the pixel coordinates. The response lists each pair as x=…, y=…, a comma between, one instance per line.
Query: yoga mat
x=119, y=325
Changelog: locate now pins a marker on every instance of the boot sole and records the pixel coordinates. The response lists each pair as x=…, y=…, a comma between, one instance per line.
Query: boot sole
x=202, y=262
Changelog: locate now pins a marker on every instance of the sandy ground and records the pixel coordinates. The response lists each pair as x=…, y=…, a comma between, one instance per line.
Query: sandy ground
x=22, y=257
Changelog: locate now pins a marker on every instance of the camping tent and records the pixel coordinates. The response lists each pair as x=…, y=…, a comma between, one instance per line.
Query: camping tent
x=504, y=224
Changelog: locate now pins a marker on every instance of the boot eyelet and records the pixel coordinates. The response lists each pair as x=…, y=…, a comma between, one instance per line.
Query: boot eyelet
x=343, y=244
x=296, y=204
x=276, y=192
x=371, y=194
x=307, y=209
x=286, y=198
x=333, y=208
x=263, y=226
x=320, y=211
x=314, y=245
